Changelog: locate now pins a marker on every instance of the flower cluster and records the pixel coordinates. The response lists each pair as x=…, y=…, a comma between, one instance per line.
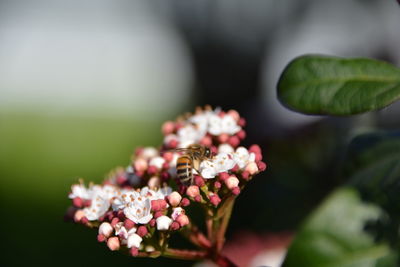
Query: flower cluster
x=140, y=206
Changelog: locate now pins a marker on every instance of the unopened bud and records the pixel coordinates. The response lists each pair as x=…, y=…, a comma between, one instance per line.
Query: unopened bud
x=215, y=199
x=154, y=182
x=199, y=181
x=241, y=134
x=174, y=226
x=163, y=223
x=232, y=182
x=174, y=199
x=234, y=114
x=129, y=224
x=142, y=231
x=223, y=176
x=234, y=141
x=223, y=138
x=185, y=202
x=77, y=202
x=79, y=214
x=113, y=243
x=236, y=191
x=105, y=229
x=168, y=127
x=251, y=168
x=101, y=238
x=140, y=165
x=134, y=251
x=261, y=165
x=246, y=175
x=193, y=191
x=182, y=220
x=134, y=240
x=198, y=198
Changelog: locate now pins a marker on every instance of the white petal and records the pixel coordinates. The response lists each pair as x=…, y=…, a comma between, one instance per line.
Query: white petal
x=176, y=212
x=225, y=148
x=149, y=152
x=134, y=240
x=157, y=162
x=163, y=223
x=229, y=125
x=215, y=127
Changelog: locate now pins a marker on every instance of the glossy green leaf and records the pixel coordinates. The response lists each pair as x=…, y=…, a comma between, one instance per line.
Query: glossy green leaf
x=325, y=85
x=334, y=235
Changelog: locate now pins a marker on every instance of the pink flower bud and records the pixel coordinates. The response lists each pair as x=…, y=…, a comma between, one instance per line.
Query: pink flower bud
x=223, y=176
x=129, y=224
x=217, y=185
x=87, y=203
x=241, y=134
x=110, y=215
x=261, y=165
x=235, y=168
x=199, y=181
x=138, y=151
x=255, y=149
x=165, y=176
x=236, y=191
x=223, y=138
x=121, y=180
x=174, y=226
x=174, y=199
x=232, y=182
x=185, y=202
x=251, y=168
x=158, y=204
x=101, y=238
x=121, y=215
x=234, y=141
x=134, y=251
x=215, y=200
x=105, y=229
x=151, y=170
x=206, y=141
x=77, y=202
x=213, y=150
x=114, y=221
x=168, y=127
x=173, y=143
x=152, y=222
x=153, y=181
x=168, y=156
x=193, y=191
x=140, y=165
x=242, y=122
x=182, y=220
x=198, y=198
x=84, y=220
x=142, y=231
x=234, y=114
x=246, y=175
x=165, y=166
x=258, y=157
x=158, y=214
x=113, y=243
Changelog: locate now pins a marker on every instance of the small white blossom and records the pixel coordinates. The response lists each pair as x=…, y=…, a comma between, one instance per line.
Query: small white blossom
x=220, y=163
x=225, y=148
x=99, y=206
x=226, y=124
x=157, y=162
x=79, y=190
x=122, y=232
x=139, y=210
x=163, y=223
x=124, y=199
x=176, y=212
x=242, y=157
x=105, y=229
x=149, y=152
x=188, y=135
x=134, y=240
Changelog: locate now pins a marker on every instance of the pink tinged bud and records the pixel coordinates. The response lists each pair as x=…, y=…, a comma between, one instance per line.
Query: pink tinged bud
x=142, y=231
x=110, y=215
x=163, y=223
x=101, y=238
x=236, y=191
x=129, y=224
x=217, y=185
x=258, y=157
x=198, y=198
x=139, y=151
x=173, y=143
x=158, y=214
x=185, y=202
x=134, y=240
x=223, y=176
x=199, y=181
x=246, y=175
x=152, y=222
x=168, y=127
x=165, y=176
x=121, y=215
x=140, y=165
x=113, y=243
x=235, y=168
x=232, y=182
x=214, y=150
x=193, y=191
x=174, y=199
x=77, y=202
x=182, y=220
x=252, y=168
x=121, y=180
x=234, y=141
x=154, y=182
x=223, y=138
x=215, y=200
x=221, y=114
x=134, y=251
x=87, y=203
x=206, y=141
x=241, y=134
x=158, y=204
x=242, y=122
x=165, y=166
x=84, y=220
x=105, y=229
x=234, y=114
x=174, y=226
x=255, y=149
x=168, y=156
x=151, y=170
x=261, y=165
x=114, y=221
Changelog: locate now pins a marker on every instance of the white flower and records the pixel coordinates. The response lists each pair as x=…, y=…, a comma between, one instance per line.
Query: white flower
x=122, y=232
x=139, y=210
x=188, y=135
x=242, y=157
x=79, y=190
x=149, y=152
x=226, y=124
x=134, y=240
x=124, y=199
x=163, y=223
x=220, y=163
x=157, y=162
x=176, y=212
x=225, y=148
x=105, y=229
x=100, y=205
x=202, y=120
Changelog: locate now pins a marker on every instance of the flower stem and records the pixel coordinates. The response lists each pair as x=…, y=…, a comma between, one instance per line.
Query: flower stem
x=184, y=254
x=194, y=235
x=223, y=224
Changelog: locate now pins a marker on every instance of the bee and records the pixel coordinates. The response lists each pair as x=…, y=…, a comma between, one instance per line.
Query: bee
x=191, y=159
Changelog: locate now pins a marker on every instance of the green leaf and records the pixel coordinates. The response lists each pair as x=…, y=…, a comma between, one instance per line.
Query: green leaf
x=334, y=235
x=324, y=85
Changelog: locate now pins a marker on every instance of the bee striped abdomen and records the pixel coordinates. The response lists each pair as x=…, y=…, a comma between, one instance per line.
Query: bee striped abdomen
x=184, y=169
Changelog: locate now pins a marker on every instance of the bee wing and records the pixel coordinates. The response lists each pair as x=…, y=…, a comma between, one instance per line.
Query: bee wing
x=178, y=150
